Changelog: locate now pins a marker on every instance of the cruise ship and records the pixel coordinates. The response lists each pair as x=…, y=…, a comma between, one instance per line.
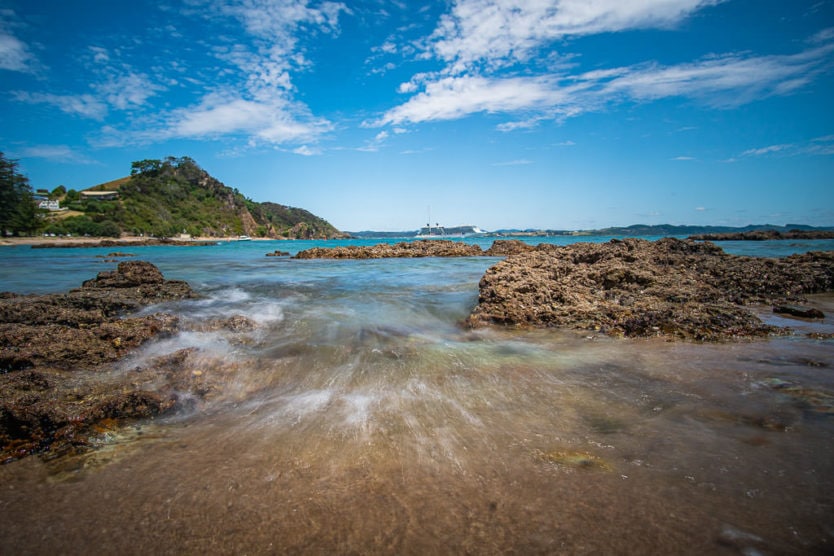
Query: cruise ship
x=438, y=231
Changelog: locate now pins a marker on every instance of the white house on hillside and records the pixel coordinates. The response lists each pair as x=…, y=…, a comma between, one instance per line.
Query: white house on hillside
x=50, y=205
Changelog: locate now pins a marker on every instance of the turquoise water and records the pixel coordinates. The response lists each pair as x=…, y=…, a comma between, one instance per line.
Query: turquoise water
x=27, y=270
x=359, y=416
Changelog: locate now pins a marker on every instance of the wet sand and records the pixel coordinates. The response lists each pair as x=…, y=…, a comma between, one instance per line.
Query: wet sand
x=523, y=443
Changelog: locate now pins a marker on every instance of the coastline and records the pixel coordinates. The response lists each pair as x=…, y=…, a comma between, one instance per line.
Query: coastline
x=109, y=241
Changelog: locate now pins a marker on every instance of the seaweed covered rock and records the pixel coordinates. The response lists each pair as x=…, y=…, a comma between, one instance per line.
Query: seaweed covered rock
x=638, y=288
x=49, y=343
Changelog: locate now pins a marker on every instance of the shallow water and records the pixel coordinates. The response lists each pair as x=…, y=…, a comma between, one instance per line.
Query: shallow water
x=359, y=417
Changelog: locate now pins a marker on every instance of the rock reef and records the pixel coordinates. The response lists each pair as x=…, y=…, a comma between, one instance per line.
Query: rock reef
x=51, y=344
x=637, y=288
x=423, y=248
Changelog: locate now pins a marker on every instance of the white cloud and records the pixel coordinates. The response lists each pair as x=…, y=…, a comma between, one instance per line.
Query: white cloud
x=719, y=81
x=85, y=105
x=729, y=80
x=455, y=97
x=684, y=158
x=15, y=55
x=263, y=106
x=100, y=55
x=766, y=150
x=521, y=124
x=121, y=93
x=502, y=32
x=818, y=146
x=273, y=121
x=128, y=91
x=60, y=153
x=305, y=150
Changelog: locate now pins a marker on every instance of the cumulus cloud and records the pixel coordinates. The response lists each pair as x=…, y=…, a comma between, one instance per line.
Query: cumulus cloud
x=263, y=107
x=273, y=121
x=502, y=32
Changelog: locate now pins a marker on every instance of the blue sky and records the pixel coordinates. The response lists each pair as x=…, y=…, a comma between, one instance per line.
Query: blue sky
x=562, y=114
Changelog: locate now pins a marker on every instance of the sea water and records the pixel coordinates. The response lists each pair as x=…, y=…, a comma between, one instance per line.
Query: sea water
x=360, y=416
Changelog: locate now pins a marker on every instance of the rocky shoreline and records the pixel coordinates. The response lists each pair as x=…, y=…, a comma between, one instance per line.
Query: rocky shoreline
x=637, y=288
x=55, y=350
x=59, y=353
x=630, y=288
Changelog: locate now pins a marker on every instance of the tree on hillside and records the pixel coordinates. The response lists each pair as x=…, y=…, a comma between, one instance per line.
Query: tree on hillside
x=18, y=213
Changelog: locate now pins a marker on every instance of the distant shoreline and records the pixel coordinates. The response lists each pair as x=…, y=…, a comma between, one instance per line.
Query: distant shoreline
x=763, y=235
x=114, y=242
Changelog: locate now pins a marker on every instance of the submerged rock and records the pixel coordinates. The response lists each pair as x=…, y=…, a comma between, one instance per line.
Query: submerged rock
x=573, y=459
x=798, y=311
x=638, y=288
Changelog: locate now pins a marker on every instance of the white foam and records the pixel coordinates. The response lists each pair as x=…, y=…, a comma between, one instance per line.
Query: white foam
x=299, y=406
x=357, y=408
x=265, y=313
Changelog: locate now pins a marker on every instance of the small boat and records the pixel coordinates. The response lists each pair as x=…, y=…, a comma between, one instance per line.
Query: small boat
x=244, y=238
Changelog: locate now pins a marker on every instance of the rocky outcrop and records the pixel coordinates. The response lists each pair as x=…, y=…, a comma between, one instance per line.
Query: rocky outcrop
x=48, y=343
x=423, y=248
x=504, y=247
x=637, y=288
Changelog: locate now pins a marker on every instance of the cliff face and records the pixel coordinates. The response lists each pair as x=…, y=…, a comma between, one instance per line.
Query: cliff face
x=174, y=196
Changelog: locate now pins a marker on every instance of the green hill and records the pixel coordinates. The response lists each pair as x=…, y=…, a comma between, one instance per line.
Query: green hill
x=165, y=198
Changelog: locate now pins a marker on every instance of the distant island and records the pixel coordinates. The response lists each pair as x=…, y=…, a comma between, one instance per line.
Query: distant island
x=170, y=198
x=761, y=235
x=715, y=233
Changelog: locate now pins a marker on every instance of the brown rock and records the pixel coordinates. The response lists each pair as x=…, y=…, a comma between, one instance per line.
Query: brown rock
x=798, y=311
x=407, y=249
x=638, y=288
x=47, y=341
x=504, y=247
